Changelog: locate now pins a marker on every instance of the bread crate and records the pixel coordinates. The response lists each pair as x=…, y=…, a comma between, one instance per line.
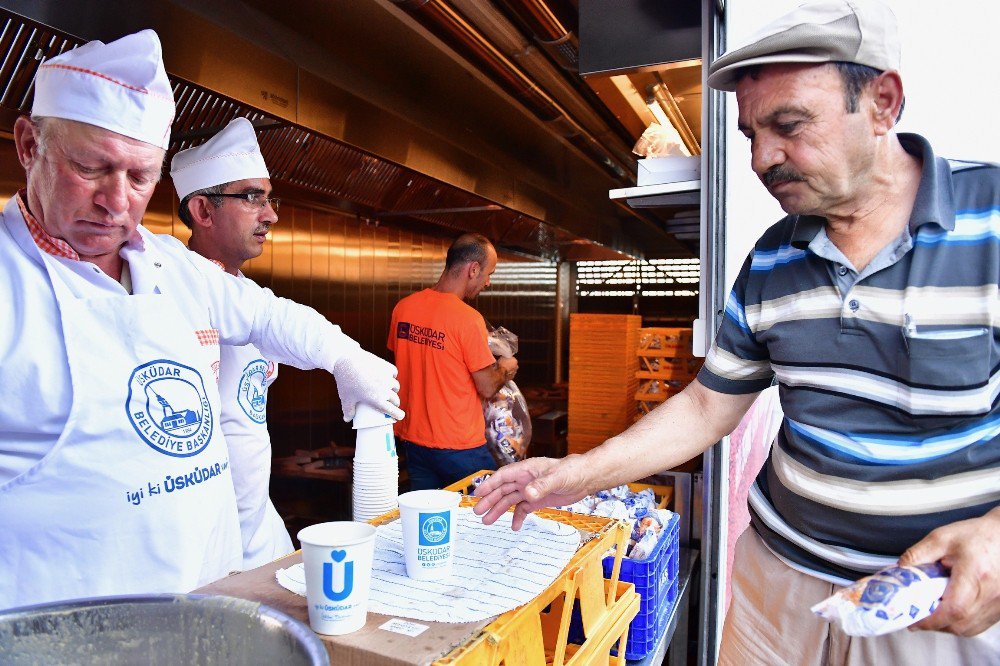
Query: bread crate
x=666, y=366
x=668, y=341
x=655, y=580
x=537, y=634
x=602, y=380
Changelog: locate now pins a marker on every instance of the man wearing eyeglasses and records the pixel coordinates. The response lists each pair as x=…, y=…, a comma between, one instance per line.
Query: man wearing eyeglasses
x=224, y=189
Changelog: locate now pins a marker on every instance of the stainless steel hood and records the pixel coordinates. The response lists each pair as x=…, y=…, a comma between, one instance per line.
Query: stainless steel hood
x=340, y=129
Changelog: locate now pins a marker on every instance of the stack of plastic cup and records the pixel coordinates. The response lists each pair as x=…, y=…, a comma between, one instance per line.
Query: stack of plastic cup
x=376, y=467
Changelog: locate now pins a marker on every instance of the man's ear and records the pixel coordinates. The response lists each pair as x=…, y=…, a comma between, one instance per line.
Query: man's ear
x=201, y=211
x=886, y=100
x=26, y=141
x=474, y=270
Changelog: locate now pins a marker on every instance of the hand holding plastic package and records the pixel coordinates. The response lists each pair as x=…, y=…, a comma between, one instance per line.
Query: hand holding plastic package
x=508, y=425
x=888, y=600
x=363, y=377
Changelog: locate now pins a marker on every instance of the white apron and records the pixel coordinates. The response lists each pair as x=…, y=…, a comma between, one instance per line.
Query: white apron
x=244, y=379
x=136, y=494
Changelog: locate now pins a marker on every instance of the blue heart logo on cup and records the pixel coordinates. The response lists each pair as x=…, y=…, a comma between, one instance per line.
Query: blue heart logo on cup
x=338, y=555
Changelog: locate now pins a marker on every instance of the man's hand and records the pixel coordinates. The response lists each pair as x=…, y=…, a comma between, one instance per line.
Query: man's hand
x=508, y=366
x=971, y=549
x=363, y=377
x=529, y=485
x=491, y=379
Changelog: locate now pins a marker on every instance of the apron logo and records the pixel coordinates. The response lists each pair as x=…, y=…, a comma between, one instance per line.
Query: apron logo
x=252, y=392
x=169, y=409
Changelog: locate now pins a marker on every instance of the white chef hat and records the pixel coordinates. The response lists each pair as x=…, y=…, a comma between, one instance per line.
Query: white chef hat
x=230, y=155
x=120, y=86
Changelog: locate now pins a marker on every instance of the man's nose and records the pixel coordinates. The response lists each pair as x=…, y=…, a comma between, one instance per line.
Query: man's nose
x=112, y=194
x=765, y=152
x=268, y=215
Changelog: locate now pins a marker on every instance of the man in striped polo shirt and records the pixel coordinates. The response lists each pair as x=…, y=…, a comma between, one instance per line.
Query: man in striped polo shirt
x=874, y=305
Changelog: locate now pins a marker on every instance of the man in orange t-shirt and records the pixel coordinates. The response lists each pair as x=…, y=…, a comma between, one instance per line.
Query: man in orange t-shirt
x=446, y=369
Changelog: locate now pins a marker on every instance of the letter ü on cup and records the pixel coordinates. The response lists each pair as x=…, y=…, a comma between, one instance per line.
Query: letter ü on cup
x=428, y=521
x=338, y=565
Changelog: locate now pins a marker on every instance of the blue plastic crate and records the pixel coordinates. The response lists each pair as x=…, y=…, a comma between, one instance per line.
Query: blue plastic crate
x=655, y=579
x=645, y=629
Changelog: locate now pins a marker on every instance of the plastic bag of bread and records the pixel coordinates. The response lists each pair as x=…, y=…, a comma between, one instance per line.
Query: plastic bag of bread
x=888, y=600
x=508, y=425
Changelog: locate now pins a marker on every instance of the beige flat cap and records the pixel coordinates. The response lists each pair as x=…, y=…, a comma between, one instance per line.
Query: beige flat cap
x=858, y=31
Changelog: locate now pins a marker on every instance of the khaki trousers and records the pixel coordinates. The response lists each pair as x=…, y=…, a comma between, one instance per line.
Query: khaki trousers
x=769, y=623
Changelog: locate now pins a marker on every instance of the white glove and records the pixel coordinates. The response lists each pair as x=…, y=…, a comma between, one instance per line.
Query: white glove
x=363, y=377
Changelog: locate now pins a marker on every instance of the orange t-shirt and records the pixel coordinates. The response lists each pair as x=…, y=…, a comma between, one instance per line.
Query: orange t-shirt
x=439, y=341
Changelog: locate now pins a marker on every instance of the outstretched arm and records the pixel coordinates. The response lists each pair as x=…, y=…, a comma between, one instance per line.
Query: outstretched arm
x=674, y=432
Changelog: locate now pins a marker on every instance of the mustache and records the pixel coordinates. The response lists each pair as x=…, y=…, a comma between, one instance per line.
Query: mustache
x=780, y=174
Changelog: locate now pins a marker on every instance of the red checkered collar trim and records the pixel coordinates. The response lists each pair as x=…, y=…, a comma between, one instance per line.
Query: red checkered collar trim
x=56, y=246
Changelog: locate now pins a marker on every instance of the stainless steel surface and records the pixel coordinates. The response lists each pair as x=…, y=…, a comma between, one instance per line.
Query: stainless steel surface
x=313, y=87
x=713, y=291
x=354, y=272
x=159, y=629
x=565, y=288
x=682, y=503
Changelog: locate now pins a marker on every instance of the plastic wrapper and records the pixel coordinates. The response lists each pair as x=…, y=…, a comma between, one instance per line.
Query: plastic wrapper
x=888, y=600
x=659, y=141
x=640, y=508
x=508, y=425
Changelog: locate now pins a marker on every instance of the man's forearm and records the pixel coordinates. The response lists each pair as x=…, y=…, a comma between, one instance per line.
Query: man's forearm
x=673, y=433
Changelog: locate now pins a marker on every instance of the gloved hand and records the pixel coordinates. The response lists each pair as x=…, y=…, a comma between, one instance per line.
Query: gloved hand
x=363, y=377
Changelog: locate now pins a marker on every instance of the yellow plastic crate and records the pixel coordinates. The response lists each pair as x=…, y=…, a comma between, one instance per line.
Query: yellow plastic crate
x=666, y=341
x=536, y=634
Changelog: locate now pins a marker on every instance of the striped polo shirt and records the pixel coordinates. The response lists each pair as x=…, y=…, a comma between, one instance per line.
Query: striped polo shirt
x=888, y=377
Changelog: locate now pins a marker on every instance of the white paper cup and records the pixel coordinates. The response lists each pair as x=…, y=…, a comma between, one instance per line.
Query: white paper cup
x=366, y=416
x=428, y=520
x=338, y=563
x=375, y=443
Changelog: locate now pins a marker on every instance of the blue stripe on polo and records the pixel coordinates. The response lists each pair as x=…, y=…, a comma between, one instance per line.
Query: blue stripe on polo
x=885, y=450
x=971, y=227
x=765, y=260
x=735, y=311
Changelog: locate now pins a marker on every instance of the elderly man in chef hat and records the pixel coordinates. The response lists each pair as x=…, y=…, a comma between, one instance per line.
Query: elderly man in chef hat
x=225, y=193
x=114, y=474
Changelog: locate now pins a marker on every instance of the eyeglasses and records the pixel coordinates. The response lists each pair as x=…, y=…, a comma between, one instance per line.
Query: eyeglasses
x=255, y=199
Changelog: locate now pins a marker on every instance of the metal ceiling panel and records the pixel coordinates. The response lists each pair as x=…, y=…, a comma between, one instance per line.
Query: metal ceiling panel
x=341, y=175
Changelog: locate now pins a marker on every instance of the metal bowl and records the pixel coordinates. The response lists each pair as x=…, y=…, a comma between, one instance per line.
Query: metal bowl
x=156, y=629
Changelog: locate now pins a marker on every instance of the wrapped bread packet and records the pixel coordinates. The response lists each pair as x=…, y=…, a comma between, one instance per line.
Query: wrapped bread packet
x=888, y=600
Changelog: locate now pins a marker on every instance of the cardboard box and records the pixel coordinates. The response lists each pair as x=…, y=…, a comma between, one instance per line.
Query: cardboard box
x=658, y=170
x=369, y=646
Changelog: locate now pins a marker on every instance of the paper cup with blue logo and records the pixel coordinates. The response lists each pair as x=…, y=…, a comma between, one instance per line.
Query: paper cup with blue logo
x=428, y=519
x=338, y=564
x=366, y=416
x=376, y=443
